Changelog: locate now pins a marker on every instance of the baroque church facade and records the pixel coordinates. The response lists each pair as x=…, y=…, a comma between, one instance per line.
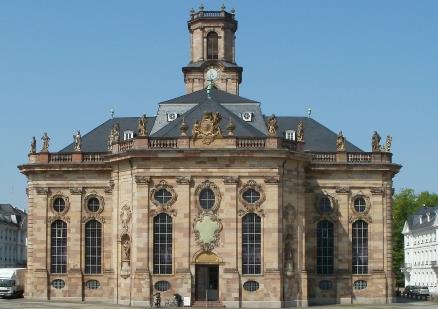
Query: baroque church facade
x=212, y=200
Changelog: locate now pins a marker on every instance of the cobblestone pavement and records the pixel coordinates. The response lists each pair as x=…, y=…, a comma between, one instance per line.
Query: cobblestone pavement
x=30, y=304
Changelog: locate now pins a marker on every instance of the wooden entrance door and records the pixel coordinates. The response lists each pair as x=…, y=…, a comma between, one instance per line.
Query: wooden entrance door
x=207, y=282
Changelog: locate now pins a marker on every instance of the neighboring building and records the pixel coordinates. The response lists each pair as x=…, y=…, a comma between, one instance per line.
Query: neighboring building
x=13, y=236
x=421, y=248
x=211, y=199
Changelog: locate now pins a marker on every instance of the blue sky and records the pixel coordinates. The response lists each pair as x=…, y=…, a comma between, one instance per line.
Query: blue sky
x=360, y=65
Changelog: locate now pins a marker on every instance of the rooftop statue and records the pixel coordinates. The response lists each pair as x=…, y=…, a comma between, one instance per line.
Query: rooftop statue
x=115, y=133
x=32, y=146
x=388, y=143
x=78, y=141
x=45, y=140
x=142, y=123
x=375, y=142
x=272, y=125
x=340, y=142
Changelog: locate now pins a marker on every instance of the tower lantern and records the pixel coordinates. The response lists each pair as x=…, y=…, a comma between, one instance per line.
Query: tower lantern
x=212, y=40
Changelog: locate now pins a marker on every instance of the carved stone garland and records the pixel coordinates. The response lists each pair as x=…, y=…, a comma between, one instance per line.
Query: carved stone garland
x=207, y=184
x=59, y=215
x=89, y=215
x=207, y=226
x=251, y=207
x=364, y=215
x=330, y=215
x=125, y=241
x=163, y=207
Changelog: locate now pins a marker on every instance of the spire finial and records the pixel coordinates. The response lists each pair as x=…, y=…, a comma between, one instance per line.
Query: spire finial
x=201, y=7
x=223, y=7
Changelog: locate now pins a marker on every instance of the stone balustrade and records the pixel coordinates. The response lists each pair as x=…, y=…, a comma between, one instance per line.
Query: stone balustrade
x=229, y=142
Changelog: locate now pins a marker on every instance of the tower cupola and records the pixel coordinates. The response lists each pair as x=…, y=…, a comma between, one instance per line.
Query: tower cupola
x=212, y=40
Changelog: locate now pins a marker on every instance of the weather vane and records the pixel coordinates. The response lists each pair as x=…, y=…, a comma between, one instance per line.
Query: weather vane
x=112, y=113
x=309, y=112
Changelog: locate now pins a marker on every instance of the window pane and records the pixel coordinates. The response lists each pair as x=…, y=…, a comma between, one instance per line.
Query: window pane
x=251, y=244
x=58, y=252
x=360, y=247
x=93, y=247
x=162, y=255
x=325, y=251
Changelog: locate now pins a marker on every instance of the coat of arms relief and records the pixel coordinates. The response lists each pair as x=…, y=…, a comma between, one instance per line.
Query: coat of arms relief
x=207, y=128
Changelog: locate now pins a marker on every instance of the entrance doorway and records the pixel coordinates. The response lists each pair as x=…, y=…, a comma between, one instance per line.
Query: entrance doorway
x=207, y=282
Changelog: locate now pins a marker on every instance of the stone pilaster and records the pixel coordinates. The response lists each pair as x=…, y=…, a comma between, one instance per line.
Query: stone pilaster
x=141, y=291
x=75, y=245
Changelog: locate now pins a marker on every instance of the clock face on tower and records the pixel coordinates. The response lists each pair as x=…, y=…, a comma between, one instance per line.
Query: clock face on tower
x=212, y=74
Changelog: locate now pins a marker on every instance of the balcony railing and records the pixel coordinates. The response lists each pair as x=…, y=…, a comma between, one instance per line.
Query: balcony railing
x=324, y=157
x=60, y=157
x=163, y=143
x=359, y=157
x=253, y=143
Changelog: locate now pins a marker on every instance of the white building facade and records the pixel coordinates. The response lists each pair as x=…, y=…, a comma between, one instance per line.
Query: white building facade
x=13, y=237
x=421, y=249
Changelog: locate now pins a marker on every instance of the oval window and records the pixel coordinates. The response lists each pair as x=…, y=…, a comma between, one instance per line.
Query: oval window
x=59, y=204
x=93, y=204
x=251, y=286
x=58, y=283
x=92, y=284
x=206, y=198
x=360, y=284
x=359, y=204
x=162, y=286
x=325, y=205
x=325, y=285
x=251, y=196
x=162, y=196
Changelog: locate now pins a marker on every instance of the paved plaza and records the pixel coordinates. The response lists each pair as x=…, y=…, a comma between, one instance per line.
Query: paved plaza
x=30, y=304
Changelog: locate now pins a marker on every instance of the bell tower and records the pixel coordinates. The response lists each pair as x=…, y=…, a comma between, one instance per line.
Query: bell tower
x=212, y=52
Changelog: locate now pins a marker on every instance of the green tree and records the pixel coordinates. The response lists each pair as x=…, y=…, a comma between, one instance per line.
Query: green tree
x=405, y=204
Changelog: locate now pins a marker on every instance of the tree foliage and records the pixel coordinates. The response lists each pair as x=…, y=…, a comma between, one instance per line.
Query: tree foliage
x=405, y=204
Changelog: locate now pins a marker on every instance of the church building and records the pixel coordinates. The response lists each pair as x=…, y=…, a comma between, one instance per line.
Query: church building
x=211, y=200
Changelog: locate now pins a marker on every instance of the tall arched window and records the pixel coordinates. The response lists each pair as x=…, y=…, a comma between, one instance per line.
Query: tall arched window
x=360, y=247
x=325, y=251
x=251, y=244
x=58, y=250
x=93, y=247
x=162, y=244
x=212, y=45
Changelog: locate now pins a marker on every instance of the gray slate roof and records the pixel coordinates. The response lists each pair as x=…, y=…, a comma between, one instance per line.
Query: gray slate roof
x=6, y=213
x=201, y=95
x=243, y=129
x=317, y=137
x=96, y=140
x=414, y=220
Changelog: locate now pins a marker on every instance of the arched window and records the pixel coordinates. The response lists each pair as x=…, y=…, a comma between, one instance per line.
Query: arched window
x=251, y=244
x=162, y=244
x=359, y=204
x=325, y=251
x=207, y=198
x=58, y=252
x=325, y=205
x=212, y=45
x=93, y=247
x=360, y=247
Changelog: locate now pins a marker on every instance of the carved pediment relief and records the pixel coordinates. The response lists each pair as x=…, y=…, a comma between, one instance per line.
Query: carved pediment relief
x=125, y=217
x=207, y=128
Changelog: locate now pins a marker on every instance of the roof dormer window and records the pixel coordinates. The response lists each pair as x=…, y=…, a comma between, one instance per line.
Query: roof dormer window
x=128, y=134
x=290, y=135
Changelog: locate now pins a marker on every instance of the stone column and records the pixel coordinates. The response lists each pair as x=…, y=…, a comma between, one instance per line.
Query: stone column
x=75, y=245
x=141, y=291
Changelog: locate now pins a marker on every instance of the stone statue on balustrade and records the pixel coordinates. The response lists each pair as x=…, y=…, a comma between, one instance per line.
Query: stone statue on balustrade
x=115, y=133
x=340, y=142
x=388, y=143
x=46, y=140
x=142, y=124
x=375, y=142
x=77, y=138
x=272, y=125
x=32, y=146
